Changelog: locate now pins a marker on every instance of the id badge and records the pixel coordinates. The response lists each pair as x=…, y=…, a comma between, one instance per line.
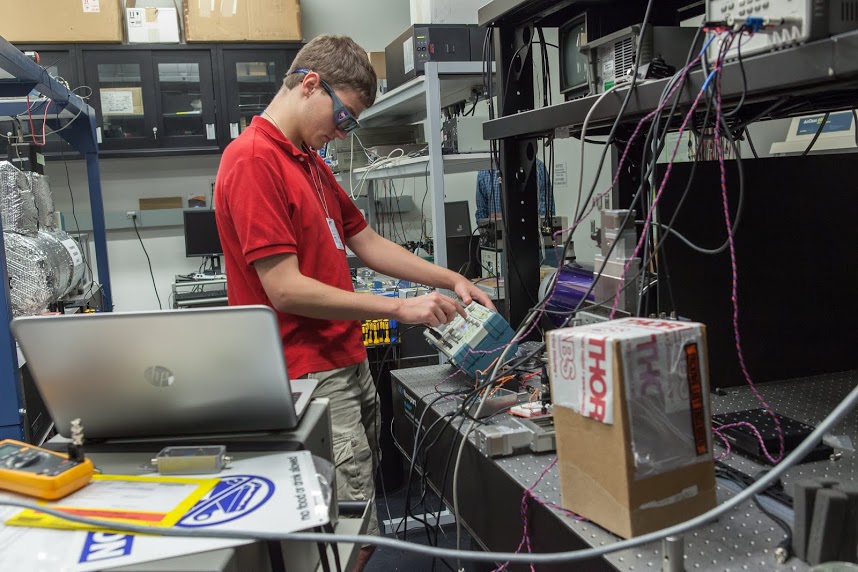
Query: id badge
x=335, y=234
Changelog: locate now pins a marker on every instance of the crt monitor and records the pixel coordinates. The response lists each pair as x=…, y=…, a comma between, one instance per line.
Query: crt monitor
x=574, y=64
x=201, y=237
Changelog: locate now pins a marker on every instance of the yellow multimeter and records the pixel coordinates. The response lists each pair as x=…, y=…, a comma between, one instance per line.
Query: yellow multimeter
x=41, y=473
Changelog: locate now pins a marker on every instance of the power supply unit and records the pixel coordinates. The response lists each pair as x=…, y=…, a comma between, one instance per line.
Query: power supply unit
x=613, y=58
x=780, y=24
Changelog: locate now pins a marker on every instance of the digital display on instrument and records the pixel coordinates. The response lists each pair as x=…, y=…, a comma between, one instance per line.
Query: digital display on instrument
x=8, y=450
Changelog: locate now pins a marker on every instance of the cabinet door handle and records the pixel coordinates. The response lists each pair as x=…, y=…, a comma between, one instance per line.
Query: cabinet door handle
x=210, y=132
x=155, y=133
x=233, y=130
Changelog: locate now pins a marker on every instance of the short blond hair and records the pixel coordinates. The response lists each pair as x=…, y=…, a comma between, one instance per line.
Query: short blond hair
x=340, y=61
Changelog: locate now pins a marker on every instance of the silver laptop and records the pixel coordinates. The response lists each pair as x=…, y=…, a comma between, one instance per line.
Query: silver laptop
x=174, y=372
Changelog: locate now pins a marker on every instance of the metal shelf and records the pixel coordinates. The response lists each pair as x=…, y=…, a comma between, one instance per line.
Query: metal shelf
x=407, y=103
x=419, y=167
x=75, y=121
x=423, y=98
x=821, y=75
x=550, y=13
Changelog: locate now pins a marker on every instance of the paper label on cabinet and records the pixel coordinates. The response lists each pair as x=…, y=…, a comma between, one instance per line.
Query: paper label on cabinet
x=91, y=6
x=408, y=54
x=118, y=101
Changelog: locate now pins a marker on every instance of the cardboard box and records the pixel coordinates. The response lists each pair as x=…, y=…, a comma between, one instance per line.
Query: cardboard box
x=445, y=11
x=151, y=25
x=61, y=21
x=378, y=64
x=121, y=101
x=242, y=20
x=631, y=410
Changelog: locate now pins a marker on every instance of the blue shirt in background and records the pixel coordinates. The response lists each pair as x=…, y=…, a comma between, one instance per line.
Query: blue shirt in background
x=489, y=198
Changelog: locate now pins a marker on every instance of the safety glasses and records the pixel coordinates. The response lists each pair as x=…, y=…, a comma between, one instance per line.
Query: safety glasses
x=343, y=118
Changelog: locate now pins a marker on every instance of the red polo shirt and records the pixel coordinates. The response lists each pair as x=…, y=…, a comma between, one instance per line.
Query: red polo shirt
x=266, y=204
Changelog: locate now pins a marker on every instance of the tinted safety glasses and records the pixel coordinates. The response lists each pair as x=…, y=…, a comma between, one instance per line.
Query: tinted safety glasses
x=343, y=118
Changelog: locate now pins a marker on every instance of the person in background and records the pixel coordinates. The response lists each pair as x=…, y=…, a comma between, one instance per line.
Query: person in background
x=489, y=193
x=284, y=225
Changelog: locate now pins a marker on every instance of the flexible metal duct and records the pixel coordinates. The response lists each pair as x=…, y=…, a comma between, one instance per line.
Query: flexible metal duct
x=17, y=205
x=42, y=269
x=44, y=199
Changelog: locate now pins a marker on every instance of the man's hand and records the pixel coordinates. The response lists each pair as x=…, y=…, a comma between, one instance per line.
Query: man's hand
x=431, y=310
x=467, y=291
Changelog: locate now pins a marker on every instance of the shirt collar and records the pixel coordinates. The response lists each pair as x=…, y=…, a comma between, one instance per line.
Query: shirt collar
x=267, y=127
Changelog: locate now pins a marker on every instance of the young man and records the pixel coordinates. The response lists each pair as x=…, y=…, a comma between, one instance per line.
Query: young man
x=284, y=223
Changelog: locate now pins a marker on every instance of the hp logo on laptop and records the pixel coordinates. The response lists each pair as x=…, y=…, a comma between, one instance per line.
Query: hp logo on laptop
x=159, y=376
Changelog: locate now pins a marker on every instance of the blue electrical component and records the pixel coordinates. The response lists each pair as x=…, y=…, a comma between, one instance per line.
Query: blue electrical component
x=473, y=343
x=754, y=25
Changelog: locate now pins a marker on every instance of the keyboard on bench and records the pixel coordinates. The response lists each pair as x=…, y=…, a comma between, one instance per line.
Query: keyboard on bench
x=200, y=295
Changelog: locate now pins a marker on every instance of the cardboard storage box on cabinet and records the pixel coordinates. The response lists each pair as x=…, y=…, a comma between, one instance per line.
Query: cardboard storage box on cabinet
x=242, y=20
x=61, y=21
x=631, y=410
x=151, y=25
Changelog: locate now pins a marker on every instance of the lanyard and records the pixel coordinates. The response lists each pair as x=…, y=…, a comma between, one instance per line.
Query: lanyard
x=313, y=174
x=320, y=189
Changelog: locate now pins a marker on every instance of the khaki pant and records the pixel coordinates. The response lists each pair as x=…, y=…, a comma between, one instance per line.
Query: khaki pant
x=355, y=422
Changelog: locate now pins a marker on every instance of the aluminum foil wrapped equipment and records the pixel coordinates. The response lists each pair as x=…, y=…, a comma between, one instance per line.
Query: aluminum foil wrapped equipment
x=17, y=205
x=44, y=200
x=44, y=264
x=42, y=269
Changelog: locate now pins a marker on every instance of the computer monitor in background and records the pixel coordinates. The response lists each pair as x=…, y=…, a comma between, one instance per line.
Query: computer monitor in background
x=462, y=245
x=457, y=216
x=202, y=239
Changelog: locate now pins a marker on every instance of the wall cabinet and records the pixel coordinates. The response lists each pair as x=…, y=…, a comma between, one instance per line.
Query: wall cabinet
x=251, y=78
x=164, y=99
x=152, y=99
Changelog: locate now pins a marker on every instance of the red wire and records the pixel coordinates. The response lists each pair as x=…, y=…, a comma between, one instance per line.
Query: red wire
x=734, y=270
x=594, y=202
x=727, y=447
x=528, y=494
x=734, y=295
x=44, y=122
x=648, y=222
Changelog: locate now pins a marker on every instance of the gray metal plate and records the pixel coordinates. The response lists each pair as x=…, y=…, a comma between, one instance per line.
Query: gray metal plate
x=744, y=540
